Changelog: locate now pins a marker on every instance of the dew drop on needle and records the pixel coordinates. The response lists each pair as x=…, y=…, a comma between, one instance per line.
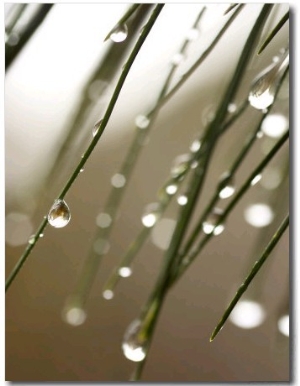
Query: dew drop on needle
x=59, y=214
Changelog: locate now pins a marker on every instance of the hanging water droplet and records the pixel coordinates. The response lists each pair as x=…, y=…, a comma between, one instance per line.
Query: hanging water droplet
x=262, y=93
x=59, y=214
x=119, y=34
x=133, y=346
x=182, y=200
x=151, y=215
x=31, y=240
x=171, y=189
x=195, y=146
x=108, y=294
x=103, y=220
x=125, y=271
x=81, y=170
x=256, y=179
x=259, y=215
x=180, y=165
x=96, y=127
x=192, y=34
x=41, y=234
x=118, y=180
x=209, y=225
x=142, y=122
x=177, y=59
x=74, y=316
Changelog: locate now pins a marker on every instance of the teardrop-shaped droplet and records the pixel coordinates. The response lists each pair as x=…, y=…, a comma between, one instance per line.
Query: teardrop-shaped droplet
x=262, y=93
x=119, y=34
x=180, y=165
x=96, y=127
x=151, y=215
x=210, y=224
x=59, y=214
x=133, y=345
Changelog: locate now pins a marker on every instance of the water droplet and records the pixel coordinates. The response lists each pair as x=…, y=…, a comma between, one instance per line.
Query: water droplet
x=119, y=34
x=192, y=34
x=195, y=146
x=101, y=246
x=96, y=127
x=177, y=59
x=256, y=179
x=194, y=164
x=259, y=215
x=59, y=214
x=275, y=59
x=103, y=220
x=182, y=200
x=180, y=165
x=232, y=108
x=31, y=240
x=133, y=346
x=275, y=125
x=81, y=170
x=142, y=122
x=209, y=225
x=151, y=215
x=263, y=90
x=118, y=180
x=125, y=271
x=41, y=234
x=171, y=189
x=108, y=294
x=74, y=316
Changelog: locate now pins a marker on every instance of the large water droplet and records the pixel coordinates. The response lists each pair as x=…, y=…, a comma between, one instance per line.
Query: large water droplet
x=133, y=346
x=119, y=34
x=180, y=165
x=209, y=225
x=248, y=314
x=182, y=200
x=151, y=215
x=263, y=90
x=171, y=189
x=59, y=214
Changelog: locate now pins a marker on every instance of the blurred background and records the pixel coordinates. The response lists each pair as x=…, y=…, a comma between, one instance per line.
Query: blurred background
x=45, y=85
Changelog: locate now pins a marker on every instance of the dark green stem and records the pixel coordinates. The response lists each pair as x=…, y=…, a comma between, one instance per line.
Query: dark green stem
x=257, y=266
